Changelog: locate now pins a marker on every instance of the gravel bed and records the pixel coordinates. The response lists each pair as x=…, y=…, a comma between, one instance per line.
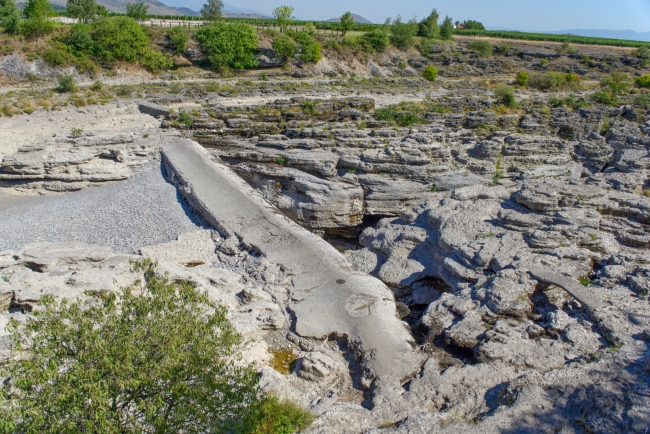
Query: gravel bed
x=125, y=216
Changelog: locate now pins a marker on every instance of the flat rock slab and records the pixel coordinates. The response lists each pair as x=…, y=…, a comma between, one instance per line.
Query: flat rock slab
x=574, y=288
x=329, y=297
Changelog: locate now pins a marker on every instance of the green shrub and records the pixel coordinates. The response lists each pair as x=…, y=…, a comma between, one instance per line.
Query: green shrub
x=604, y=97
x=403, y=34
x=66, y=83
x=57, y=57
x=97, y=86
x=522, y=78
x=543, y=62
x=119, y=38
x=310, y=50
x=229, y=45
x=377, y=39
x=643, y=81
x=178, y=39
x=401, y=118
x=281, y=416
x=482, y=48
x=154, y=61
x=284, y=46
x=504, y=49
x=642, y=100
x=110, y=39
x=617, y=82
x=554, y=81
x=430, y=73
x=157, y=357
x=505, y=95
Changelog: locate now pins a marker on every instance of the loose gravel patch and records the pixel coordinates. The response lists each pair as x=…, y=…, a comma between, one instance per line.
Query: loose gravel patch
x=125, y=216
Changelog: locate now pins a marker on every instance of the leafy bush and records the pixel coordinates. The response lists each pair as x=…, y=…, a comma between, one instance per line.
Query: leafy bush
x=58, y=56
x=284, y=46
x=377, y=40
x=158, y=357
x=110, y=39
x=505, y=95
x=569, y=101
x=643, y=81
x=617, y=82
x=228, y=45
x=430, y=73
x=403, y=34
x=482, y=48
x=178, y=39
x=504, y=49
x=66, y=83
x=281, y=416
x=154, y=61
x=310, y=51
x=642, y=100
x=96, y=86
x=522, y=78
x=604, y=97
x=554, y=81
x=401, y=118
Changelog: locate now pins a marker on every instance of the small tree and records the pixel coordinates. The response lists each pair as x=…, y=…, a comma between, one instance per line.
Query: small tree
x=284, y=16
x=428, y=27
x=347, y=23
x=39, y=14
x=8, y=13
x=138, y=11
x=84, y=10
x=158, y=357
x=447, y=29
x=211, y=11
x=403, y=34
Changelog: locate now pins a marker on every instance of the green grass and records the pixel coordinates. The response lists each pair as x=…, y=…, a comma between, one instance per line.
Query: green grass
x=585, y=281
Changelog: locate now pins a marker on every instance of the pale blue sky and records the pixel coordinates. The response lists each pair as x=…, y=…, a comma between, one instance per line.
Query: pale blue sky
x=515, y=14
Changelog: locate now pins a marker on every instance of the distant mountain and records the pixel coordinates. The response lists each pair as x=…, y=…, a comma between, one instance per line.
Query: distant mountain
x=595, y=33
x=357, y=19
x=230, y=10
x=155, y=7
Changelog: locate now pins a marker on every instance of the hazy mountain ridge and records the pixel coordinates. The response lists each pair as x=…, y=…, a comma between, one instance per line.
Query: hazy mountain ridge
x=357, y=19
